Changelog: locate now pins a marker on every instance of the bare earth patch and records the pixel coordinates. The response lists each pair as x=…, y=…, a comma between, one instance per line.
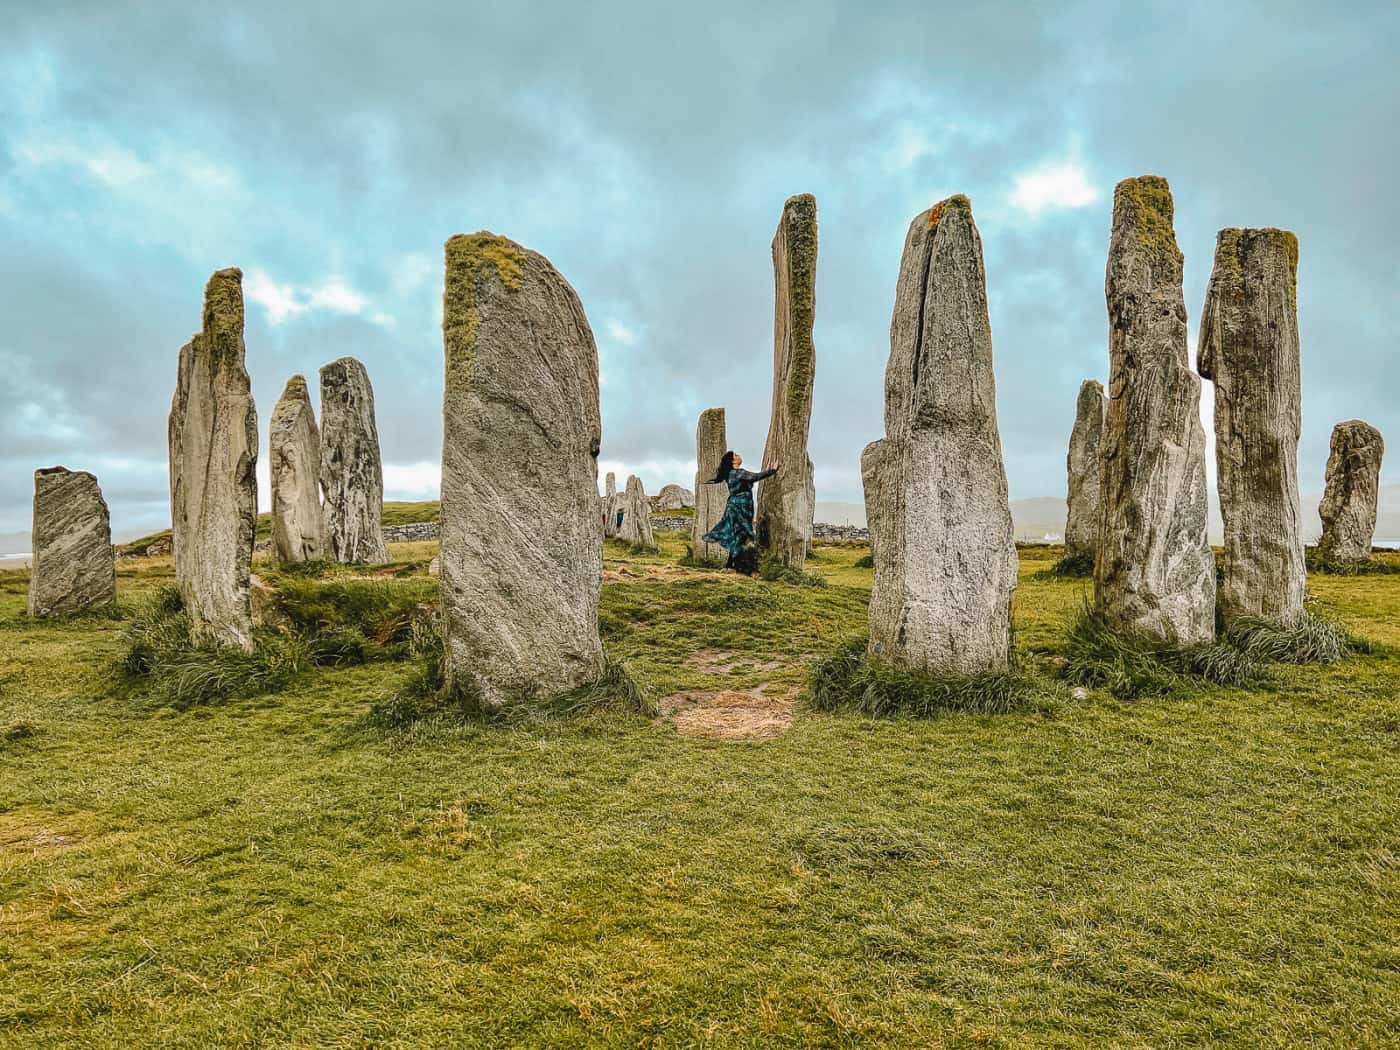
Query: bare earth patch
x=33, y=832
x=727, y=661
x=652, y=573
x=730, y=714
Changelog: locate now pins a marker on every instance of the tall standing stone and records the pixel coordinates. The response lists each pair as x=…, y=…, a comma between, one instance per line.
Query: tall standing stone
x=611, y=505
x=352, y=477
x=1249, y=347
x=782, y=522
x=522, y=558
x=1155, y=572
x=1348, y=507
x=945, y=561
x=636, y=516
x=71, y=543
x=294, y=454
x=1082, y=466
x=710, y=499
x=213, y=435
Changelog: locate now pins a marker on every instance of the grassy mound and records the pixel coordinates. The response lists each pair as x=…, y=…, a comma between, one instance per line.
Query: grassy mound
x=1320, y=564
x=1309, y=641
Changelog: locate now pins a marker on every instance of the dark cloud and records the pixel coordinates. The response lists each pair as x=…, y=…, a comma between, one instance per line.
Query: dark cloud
x=647, y=152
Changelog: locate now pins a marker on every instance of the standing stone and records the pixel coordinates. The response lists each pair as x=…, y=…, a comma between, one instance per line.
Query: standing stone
x=73, y=567
x=1082, y=465
x=674, y=497
x=636, y=516
x=522, y=558
x=1249, y=347
x=611, y=505
x=294, y=452
x=945, y=562
x=782, y=520
x=1348, y=507
x=710, y=499
x=1155, y=572
x=213, y=456
x=352, y=478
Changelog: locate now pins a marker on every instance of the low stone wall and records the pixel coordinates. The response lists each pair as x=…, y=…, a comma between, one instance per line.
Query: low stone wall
x=413, y=532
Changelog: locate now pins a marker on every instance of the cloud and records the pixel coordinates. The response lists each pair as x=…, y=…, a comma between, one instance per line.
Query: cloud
x=284, y=301
x=1053, y=187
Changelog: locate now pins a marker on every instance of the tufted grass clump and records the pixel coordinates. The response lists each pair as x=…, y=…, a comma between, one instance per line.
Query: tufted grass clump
x=161, y=662
x=851, y=679
x=1131, y=664
x=1309, y=641
x=354, y=621
x=1077, y=565
x=1319, y=563
x=774, y=571
x=865, y=562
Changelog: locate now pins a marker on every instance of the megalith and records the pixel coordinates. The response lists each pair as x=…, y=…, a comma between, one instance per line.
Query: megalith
x=73, y=568
x=522, y=558
x=782, y=520
x=1155, y=572
x=213, y=434
x=294, y=455
x=945, y=561
x=1348, y=507
x=610, y=505
x=710, y=446
x=352, y=476
x=1249, y=348
x=1082, y=466
x=636, y=516
x=674, y=497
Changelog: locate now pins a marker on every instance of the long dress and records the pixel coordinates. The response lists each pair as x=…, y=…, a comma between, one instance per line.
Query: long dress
x=734, y=531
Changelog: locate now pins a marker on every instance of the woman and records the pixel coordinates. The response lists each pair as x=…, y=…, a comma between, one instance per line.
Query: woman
x=734, y=531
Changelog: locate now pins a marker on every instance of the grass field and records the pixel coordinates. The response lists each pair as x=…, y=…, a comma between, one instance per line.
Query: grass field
x=1216, y=868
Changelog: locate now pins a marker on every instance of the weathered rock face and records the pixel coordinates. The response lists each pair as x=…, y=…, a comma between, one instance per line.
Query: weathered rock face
x=636, y=515
x=945, y=563
x=73, y=567
x=673, y=497
x=1249, y=347
x=782, y=521
x=1082, y=464
x=522, y=558
x=1348, y=507
x=710, y=446
x=213, y=455
x=352, y=477
x=1155, y=572
x=294, y=452
x=611, y=505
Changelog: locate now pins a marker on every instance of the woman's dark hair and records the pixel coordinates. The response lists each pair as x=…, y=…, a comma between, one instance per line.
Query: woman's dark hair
x=726, y=467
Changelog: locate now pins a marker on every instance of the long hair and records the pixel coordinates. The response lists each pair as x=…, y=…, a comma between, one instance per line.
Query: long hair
x=726, y=467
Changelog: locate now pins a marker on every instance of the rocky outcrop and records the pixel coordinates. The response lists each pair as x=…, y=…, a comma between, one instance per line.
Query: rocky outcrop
x=1348, y=507
x=636, y=516
x=945, y=564
x=673, y=497
x=611, y=505
x=782, y=521
x=72, y=568
x=352, y=476
x=1249, y=348
x=1155, y=572
x=1082, y=466
x=213, y=434
x=294, y=455
x=522, y=558
x=710, y=446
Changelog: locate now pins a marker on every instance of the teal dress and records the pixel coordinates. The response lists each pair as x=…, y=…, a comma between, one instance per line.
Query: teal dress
x=734, y=531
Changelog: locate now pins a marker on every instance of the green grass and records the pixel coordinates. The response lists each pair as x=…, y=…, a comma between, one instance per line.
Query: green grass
x=1385, y=563
x=1219, y=866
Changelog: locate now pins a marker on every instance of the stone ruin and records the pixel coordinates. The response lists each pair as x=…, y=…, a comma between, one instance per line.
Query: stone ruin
x=294, y=454
x=213, y=436
x=352, y=477
x=1249, y=348
x=522, y=558
x=636, y=516
x=73, y=569
x=710, y=499
x=783, y=516
x=1348, y=507
x=673, y=497
x=1082, y=468
x=1155, y=572
x=940, y=520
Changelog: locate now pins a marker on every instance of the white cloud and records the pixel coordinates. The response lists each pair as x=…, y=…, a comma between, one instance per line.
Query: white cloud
x=279, y=300
x=620, y=333
x=282, y=301
x=1053, y=187
x=412, y=481
x=110, y=164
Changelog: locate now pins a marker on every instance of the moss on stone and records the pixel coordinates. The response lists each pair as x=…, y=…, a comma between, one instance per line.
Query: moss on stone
x=1146, y=202
x=222, y=330
x=466, y=257
x=798, y=238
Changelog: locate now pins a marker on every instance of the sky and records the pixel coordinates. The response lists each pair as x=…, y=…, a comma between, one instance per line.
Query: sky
x=330, y=149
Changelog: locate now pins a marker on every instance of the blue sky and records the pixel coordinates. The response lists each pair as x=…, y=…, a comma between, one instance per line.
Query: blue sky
x=329, y=150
